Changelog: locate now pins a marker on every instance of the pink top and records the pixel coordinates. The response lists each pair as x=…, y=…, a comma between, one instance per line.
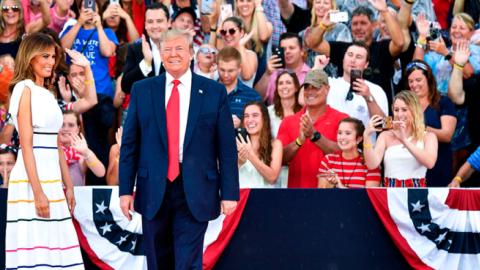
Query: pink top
x=271, y=82
x=56, y=22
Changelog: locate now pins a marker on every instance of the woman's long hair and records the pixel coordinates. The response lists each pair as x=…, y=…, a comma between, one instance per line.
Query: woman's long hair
x=265, y=147
x=413, y=104
x=277, y=101
x=433, y=95
x=20, y=23
x=254, y=42
x=315, y=20
x=31, y=46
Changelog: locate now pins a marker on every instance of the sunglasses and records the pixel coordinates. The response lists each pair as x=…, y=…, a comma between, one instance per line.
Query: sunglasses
x=231, y=31
x=349, y=96
x=206, y=50
x=13, y=8
x=418, y=65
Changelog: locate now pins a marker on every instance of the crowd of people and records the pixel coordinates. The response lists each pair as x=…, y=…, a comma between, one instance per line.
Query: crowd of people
x=317, y=101
x=322, y=94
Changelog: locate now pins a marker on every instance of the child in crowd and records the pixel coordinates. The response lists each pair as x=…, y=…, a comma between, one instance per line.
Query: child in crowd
x=8, y=157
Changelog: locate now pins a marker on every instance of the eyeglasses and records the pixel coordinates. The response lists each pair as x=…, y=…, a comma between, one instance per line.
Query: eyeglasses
x=13, y=8
x=415, y=64
x=231, y=31
x=206, y=50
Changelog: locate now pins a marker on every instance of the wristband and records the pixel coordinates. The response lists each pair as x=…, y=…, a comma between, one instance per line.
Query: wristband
x=323, y=26
x=297, y=142
x=458, y=179
x=410, y=2
x=367, y=146
x=89, y=82
x=457, y=66
x=69, y=106
x=213, y=29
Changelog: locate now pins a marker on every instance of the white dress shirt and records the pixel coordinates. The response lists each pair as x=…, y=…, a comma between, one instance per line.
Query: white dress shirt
x=184, y=92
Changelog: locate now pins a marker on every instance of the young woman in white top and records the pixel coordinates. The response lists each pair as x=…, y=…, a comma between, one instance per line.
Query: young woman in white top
x=260, y=155
x=407, y=150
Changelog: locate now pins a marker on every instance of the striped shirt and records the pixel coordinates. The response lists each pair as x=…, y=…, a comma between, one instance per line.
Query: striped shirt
x=353, y=173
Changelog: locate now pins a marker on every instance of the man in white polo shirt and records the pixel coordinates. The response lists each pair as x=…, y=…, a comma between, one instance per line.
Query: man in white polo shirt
x=366, y=99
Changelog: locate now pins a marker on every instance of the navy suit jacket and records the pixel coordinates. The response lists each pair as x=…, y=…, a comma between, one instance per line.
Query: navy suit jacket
x=209, y=167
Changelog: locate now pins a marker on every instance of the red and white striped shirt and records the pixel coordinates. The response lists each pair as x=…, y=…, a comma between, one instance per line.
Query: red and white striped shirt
x=353, y=173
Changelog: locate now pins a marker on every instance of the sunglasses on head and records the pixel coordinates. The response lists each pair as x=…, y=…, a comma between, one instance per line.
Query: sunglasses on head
x=206, y=50
x=418, y=65
x=13, y=8
x=231, y=31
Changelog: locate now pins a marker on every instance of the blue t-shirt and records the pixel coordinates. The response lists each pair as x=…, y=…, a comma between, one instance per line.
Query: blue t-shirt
x=474, y=160
x=98, y=62
x=240, y=96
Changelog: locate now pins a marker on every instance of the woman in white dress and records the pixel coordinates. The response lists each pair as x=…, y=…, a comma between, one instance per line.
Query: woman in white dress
x=259, y=155
x=40, y=232
x=285, y=103
x=407, y=150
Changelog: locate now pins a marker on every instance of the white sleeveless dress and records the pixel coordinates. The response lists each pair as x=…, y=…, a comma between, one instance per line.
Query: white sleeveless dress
x=33, y=242
x=402, y=169
x=249, y=177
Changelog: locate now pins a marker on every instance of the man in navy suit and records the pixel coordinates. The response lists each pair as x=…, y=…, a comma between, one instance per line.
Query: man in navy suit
x=179, y=143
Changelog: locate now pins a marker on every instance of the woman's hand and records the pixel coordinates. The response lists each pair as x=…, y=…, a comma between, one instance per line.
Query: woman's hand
x=118, y=136
x=326, y=19
x=69, y=195
x=400, y=130
x=246, y=145
x=454, y=184
x=85, y=15
x=80, y=144
x=78, y=58
x=245, y=39
x=462, y=53
x=375, y=121
x=423, y=26
x=64, y=89
x=42, y=205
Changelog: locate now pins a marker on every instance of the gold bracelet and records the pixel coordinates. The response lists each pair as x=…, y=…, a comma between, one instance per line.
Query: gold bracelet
x=89, y=82
x=410, y=2
x=457, y=66
x=323, y=26
x=458, y=179
x=92, y=163
x=297, y=142
x=367, y=146
x=421, y=41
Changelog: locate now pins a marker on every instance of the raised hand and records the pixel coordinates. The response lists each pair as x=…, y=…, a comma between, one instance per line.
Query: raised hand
x=462, y=53
x=273, y=64
x=400, y=130
x=423, y=25
x=78, y=58
x=321, y=61
x=361, y=88
x=246, y=38
x=380, y=5
x=80, y=144
x=375, y=121
x=64, y=89
x=146, y=51
x=438, y=46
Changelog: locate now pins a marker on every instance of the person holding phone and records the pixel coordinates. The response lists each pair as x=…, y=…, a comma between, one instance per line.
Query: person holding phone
x=39, y=14
x=259, y=154
x=354, y=95
x=117, y=19
x=97, y=44
x=346, y=168
x=407, y=150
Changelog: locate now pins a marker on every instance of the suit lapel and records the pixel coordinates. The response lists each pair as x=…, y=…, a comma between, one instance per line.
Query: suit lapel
x=196, y=102
x=158, y=105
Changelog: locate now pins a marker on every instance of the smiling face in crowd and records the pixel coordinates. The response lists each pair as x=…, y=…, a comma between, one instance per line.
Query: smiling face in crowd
x=418, y=83
x=347, y=137
x=156, y=22
x=253, y=120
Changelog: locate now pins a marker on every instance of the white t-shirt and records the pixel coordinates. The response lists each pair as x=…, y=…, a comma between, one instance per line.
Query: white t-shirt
x=357, y=107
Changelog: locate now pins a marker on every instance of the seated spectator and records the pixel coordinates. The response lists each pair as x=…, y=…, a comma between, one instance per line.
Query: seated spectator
x=39, y=14
x=440, y=119
x=259, y=154
x=143, y=58
x=229, y=70
x=77, y=154
x=206, y=64
x=346, y=168
x=363, y=99
x=303, y=144
x=468, y=168
x=294, y=62
x=8, y=157
x=98, y=44
x=407, y=149
x=12, y=27
x=114, y=157
x=321, y=18
x=233, y=34
x=383, y=53
x=285, y=103
x=79, y=93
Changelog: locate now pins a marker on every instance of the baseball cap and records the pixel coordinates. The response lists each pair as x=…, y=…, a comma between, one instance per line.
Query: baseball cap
x=188, y=10
x=316, y=78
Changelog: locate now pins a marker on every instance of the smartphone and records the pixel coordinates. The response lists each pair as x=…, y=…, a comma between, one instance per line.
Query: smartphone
x=242, y=132
x=280, y=53
x=387, y=123
x=89, y=4
x=206, y=7
x=226, y=11
x=354, y=75
x=117, y=2
x=339, y=17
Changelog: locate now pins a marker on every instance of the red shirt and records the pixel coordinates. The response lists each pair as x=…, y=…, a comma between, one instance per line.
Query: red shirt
x=303, y=168
x=351, y=172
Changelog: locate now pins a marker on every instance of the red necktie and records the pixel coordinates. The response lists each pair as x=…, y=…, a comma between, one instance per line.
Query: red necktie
x=173, y=132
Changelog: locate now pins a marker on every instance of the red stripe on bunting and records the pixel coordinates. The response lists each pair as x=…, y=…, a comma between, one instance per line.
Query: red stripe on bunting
x=379, y=199
x=461, y=199
x=230, y=223
x=86, y=247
